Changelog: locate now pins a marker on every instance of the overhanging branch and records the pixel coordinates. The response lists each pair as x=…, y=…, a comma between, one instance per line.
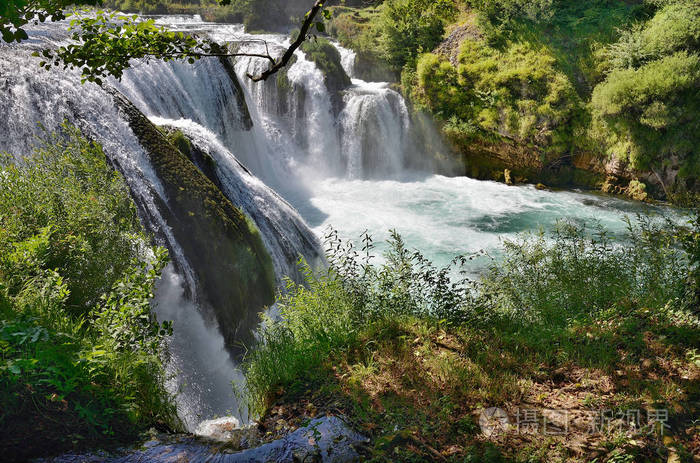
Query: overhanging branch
x=282, y=62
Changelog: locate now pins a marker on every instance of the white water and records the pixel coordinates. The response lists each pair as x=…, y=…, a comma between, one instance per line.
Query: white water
x=443, y=217
x=362, y=170
x=283, y=231
x=200, y=368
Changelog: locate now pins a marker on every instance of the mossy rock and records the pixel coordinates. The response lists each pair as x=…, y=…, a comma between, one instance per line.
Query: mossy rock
x=327, y=60
x=234, y=270
x=228, y=65
x=201, y=159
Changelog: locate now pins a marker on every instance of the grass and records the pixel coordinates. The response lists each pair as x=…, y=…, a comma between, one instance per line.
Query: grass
x=573, y=322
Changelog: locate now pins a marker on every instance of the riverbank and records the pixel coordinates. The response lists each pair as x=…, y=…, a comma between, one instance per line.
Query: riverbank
x=565, y=351
x=556, y=94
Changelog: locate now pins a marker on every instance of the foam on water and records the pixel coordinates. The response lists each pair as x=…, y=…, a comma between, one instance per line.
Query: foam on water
x=444, y=217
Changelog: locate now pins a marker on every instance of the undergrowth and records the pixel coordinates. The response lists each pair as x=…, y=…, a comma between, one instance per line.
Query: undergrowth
x=408, y=352
x=80, y=350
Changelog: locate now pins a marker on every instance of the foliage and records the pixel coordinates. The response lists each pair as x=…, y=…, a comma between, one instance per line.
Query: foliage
x=517, y=93
x=77, y=337
x=396, y=31
x=647, y=106
x=576, y=274
x=405, y=346
x=105, y=42
x=15, y=14
x=410, y=27
x=554, y=79
x=103, y=35
x=324, y=315
x=66, y=207
x=501, y=13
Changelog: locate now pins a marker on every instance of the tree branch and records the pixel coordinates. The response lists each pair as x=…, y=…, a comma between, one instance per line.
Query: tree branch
x=305, y=27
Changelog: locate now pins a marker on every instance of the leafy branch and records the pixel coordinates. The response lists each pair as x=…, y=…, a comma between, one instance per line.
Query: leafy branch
x=105, y=42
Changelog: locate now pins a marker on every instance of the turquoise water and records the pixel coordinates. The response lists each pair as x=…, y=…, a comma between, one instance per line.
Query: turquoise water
x=448, y=216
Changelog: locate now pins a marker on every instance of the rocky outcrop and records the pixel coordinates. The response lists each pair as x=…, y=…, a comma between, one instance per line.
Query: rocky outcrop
x=327, y=60
x=228, y=64
x=372, y=68
x=449, y=48
x=323, y=440
x=486, y=160
x=234, y=271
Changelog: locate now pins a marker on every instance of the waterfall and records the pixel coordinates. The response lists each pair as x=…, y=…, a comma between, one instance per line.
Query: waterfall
x=41, y=101
x=284, y=232
x=374, y=131
x=203, y=94
x=267, y=156
x=370, y=138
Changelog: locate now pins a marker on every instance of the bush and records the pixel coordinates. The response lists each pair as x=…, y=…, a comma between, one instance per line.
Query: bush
x=517, y=93
x=79, y=347
x=532, y=299
x=648, y=113
x=646, y=107
x=411, y=27
x=581, y=273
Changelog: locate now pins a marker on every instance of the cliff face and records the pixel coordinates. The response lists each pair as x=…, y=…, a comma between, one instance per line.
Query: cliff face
x=224, y=248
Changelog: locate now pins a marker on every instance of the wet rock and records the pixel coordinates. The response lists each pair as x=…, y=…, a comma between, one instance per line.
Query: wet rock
x=222, y=245
x=506, y=177
x=327, y=440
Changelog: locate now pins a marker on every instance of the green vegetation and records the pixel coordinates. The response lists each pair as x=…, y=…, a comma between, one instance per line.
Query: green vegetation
x=79, y=347
x=648, y=105
x=104, y=43
x=544, y=84
x=395, y=32
x=327, y=60
x=517, y=93
x=572, y=321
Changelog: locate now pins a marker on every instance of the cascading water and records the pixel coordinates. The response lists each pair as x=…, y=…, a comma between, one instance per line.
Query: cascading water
x=370, y=138
x=354, y=170
x=283, y=230
x=374, y=128
x=201, y=366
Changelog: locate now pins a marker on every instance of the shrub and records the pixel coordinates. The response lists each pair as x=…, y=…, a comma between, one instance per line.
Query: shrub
x=517, y=93
x=80, y=350
x=532, y=299
x=411, y=27
x=645, y=109
x=648, y=113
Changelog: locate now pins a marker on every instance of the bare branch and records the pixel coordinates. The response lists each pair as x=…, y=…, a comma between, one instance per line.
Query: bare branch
x=305, y=27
